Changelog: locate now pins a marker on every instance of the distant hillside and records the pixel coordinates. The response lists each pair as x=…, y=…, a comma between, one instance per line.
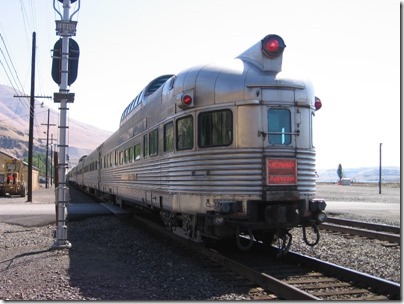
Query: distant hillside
x=14, y=128
x=361, y=175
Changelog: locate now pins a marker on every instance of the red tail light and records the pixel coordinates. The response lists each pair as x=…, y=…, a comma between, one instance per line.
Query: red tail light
x=317, y=103
x=273, y=46
x=186, y=100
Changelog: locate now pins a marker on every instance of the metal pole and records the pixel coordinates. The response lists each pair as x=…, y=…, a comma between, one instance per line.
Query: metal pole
x=51, y=162
x=380, y=168
x=62, y=192
x=31, y=120
x=47, y=150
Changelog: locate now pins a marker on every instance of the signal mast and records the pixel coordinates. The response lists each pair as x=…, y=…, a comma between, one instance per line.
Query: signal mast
x=64, y=73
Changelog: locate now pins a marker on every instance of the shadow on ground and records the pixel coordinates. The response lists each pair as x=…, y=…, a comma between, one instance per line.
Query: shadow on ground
x=115, y=260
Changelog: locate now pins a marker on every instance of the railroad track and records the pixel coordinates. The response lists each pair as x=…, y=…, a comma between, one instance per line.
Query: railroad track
x=319, y=280
x=374, y=231
x=292, y=277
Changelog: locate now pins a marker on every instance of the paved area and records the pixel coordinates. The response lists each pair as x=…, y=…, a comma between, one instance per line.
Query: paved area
x=42, y=209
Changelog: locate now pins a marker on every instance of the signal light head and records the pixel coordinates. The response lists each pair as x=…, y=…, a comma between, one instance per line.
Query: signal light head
x=273, y=46
x=317, y=103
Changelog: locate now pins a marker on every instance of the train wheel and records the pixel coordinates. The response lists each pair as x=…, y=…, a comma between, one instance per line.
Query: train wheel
x=244, y=238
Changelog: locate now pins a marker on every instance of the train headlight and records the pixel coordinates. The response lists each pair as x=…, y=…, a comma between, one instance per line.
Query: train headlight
x=321, y=217
x=273, y=46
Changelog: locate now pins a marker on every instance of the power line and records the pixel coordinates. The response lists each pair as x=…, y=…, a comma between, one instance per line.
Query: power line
x=27, y=27
x=12, y=64
x=13, y=82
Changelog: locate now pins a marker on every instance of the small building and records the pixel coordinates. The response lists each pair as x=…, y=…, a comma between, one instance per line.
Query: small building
x=35, y=172
x=345, y=181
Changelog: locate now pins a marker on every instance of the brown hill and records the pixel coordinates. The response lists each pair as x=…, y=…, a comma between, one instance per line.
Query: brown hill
x=14, y=128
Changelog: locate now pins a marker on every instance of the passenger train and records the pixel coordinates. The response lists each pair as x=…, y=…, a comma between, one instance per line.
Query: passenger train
x=218, y=151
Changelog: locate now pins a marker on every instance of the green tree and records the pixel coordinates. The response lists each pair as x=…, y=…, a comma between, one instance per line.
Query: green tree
x=340, y=172
x=38, y=161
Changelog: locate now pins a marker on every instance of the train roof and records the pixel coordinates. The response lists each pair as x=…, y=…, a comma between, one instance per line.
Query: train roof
x=265, y=55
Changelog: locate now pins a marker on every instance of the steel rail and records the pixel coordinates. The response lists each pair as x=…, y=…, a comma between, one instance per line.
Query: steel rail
x=392, y=289
x=365, y=225
x=393, y=238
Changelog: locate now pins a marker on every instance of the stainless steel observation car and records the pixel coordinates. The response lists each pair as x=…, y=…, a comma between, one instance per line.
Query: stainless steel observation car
x=219, y=151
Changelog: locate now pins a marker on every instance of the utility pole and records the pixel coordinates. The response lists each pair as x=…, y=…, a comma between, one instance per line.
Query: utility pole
x=31, y=117
x=380, y=168
x=47, y=148
x=64, y=73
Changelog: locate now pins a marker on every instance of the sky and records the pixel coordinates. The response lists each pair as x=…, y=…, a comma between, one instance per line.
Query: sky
x=349, y=49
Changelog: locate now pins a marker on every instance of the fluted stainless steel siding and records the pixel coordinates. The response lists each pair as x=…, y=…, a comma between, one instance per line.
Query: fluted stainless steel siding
x=306, y=172
x=227, y=171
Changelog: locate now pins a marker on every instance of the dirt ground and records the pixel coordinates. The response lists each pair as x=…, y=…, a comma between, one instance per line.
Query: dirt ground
x=363, y=202
x=390, y=193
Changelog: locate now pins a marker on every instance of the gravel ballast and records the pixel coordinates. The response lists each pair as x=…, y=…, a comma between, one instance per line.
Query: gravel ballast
x=112, y=260
x=109, y=260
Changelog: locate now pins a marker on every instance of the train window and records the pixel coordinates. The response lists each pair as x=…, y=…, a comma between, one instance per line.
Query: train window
x=169, y=137
x=215, y=128
x=145, y=145
x=185, y=133
x=153, y=142
x=279, y=127
x=130, y=154
x=125, y=156
x=171, y=86
x=120, y=157
x=116, y=158
x=137, y=152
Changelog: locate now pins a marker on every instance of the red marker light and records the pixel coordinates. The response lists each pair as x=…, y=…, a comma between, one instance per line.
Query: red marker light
x=186, y=100
x=317, y=103
x=273, y=46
